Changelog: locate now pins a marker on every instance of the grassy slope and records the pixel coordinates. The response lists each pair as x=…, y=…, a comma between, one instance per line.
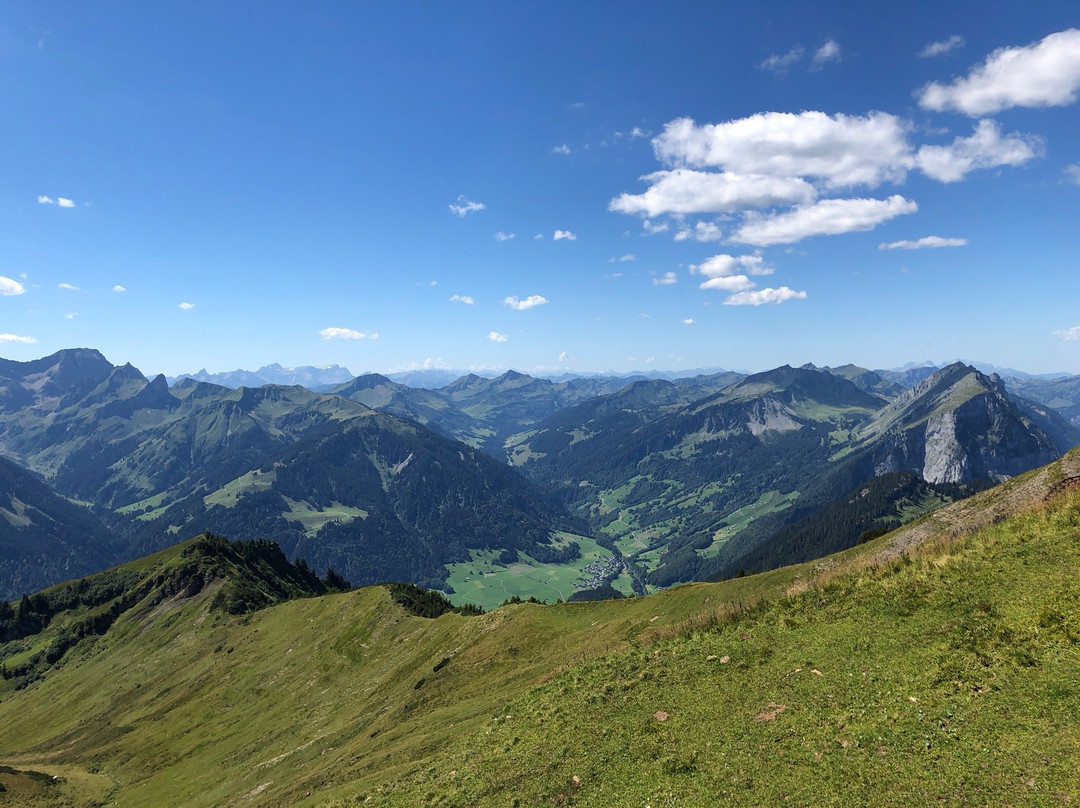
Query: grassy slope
x=870, y=677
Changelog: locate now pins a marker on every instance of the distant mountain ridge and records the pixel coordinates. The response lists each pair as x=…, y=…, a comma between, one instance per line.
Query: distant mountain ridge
x=305, y=375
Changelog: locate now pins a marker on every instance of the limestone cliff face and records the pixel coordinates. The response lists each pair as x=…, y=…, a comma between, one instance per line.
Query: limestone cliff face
x=960, y=425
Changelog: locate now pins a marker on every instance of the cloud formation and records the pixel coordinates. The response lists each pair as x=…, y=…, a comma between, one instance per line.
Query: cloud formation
x=781, y=62
x=564, y=234
x=68, y=286
x=466, y=299
x=683, y=191
x=840, y=150
x=667, y=279
x=828, y=217
x=1068, y=333
x=1042, y=74
x=10, y=287
x=829, y=52
x=938, y=48
x=464, y=206
x=986, y=148
x=762, y=296
x=703, y=231
x=1072, y=173
x=927, y=242
x=501, y=236
x=187, y=306
x=561, y=149
x=119, y=288
x=689, y=321
x=62, y=202
x=527, y=303
x=495, y=336
x=346, y=333
x=5, y=338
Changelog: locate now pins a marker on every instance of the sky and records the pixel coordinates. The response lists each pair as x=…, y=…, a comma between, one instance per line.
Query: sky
x=549, y=187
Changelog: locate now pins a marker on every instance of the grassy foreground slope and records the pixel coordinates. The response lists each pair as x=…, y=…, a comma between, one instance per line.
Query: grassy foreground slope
x=939, y=664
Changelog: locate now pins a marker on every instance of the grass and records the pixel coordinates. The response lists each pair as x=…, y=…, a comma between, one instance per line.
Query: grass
x=768, y=502
x=487, y=583
x=936, y=665
x=313, y=518
x=228, y=494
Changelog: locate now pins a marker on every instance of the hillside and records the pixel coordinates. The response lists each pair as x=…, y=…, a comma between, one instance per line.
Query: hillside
x=932, y=665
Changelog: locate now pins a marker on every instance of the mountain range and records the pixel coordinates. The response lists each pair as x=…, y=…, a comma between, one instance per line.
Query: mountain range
x=492, y=487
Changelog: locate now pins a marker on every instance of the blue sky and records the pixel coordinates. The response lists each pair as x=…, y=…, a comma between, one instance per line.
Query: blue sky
x=578, y=186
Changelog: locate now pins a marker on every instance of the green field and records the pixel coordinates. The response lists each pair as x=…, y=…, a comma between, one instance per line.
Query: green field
x=487, y=583
x=768, y=502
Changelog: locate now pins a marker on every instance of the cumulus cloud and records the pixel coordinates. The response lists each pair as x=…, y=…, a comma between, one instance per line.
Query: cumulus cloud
x=628, y=257
x=728, y=283
x=840, y=150
x=637, y=132
x=683, y=190
x=938, y=48
x=667, y=279
x=464, y=206
x=564, y=356
x=1072, y=173
x=466, y=299
x=702, y=231
x=1042, y=74
x=346, y=333
x=927, y=242
x=4, y=338
x=10, y=287
x=826, y=217
x=652, y=228
x=760, y=297
x=1068, y=333
x=119, y=288
x=501, y=236
x=986, y=148
x=829, y=52
x=61, y=201
x=495, y=336
x=722, y=265
x=71, y=315
x=187, y=306
x=68, y=286
x=564, y=234
x=527, y=303
x=561, y=149
x=689, y=321
x=781, y=62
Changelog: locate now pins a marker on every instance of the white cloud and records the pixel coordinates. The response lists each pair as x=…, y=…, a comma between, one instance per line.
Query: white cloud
x=651, y=229
x=938, y=48
x=986, y=148
x=346, y=333
x=721, y=265
x=564, y=234
x=564, y=356
x=728, y=283
x=1072, y=173
x=495, y=336
x=464, y=206
x=840, y=150
x=1069, y=333
x=780, y=62
x=65, y=203
x=637, y=132
x=683, y=190
x=562, y=149
x=71, y=315
x=527, y=303
x=927, y=242
x=829, y=52
x=538, y=236
x=61, y=201
x=613, y=276
x=68, y=286
x=1042, y=74
x=119, y=288
x=466, y=299
x=703, y=231
x=187, y=306
x=763, y=296
x=827, y=217
x=10, y=287
x=689, y=321
x=46, y=200
x=4, y=338
x=501, y=236
x=667, y=280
